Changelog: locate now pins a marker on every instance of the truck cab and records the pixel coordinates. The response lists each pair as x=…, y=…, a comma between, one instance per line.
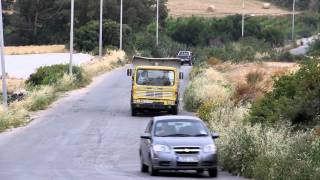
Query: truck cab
x=155, y=84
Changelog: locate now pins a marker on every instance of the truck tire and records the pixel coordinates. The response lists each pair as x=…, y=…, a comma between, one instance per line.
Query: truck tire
x=133, y=111
x=174, y=110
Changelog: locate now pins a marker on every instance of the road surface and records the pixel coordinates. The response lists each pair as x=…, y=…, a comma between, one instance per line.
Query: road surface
x=88, y=135
x=304, y=45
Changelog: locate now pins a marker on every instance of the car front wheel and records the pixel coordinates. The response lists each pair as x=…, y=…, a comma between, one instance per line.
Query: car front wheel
x=152, y=171
x=144, y=168
x=213, y=172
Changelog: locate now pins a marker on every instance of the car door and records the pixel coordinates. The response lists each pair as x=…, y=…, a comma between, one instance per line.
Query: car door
x=146, y=143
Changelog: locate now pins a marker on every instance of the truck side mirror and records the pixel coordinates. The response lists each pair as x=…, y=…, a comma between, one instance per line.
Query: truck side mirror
x=180, y=75
x=129, y=72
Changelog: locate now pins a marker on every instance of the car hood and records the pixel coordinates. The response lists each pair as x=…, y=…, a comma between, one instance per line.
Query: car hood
x=183, y=141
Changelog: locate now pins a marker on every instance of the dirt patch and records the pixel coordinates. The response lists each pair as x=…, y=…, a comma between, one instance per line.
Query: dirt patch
x=187, y=8
x=20, y=50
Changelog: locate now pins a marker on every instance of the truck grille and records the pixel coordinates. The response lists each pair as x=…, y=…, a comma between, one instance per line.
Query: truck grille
x=151, y=94
x=187, y=150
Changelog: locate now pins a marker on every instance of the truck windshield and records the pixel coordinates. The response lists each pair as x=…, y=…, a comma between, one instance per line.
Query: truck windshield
x=149, y=77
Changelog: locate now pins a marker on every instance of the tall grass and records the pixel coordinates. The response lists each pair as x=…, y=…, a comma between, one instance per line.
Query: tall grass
x=253, y=151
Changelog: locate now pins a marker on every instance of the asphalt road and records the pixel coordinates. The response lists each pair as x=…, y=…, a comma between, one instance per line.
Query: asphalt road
x=87, y=135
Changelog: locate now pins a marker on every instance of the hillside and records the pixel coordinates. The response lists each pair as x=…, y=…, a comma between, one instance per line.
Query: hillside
x=185, y=8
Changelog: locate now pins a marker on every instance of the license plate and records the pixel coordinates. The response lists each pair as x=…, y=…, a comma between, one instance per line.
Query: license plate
x=187, y=159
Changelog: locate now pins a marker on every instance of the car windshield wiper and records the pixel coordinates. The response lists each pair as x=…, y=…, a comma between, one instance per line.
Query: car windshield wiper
x=176, y=135
x=200, y=135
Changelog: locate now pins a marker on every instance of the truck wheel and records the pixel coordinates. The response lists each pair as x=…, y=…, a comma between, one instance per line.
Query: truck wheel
x=174, y=110
x=133, y=111
x=213, y=172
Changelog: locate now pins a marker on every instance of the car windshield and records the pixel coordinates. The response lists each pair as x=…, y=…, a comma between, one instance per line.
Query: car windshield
x=180, y=128
x=184, y=53
x=155, y=77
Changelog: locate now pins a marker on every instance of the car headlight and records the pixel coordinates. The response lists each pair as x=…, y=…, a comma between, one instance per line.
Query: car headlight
x=161, y=148
x=211, y=148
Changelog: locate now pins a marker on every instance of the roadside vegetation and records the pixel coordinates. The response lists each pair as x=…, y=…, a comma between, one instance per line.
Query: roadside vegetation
x=268, y=120
x=47, y=84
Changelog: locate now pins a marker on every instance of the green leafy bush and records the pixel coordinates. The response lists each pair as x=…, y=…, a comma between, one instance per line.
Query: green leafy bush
x=49, y=75
x=315, y=49
x=87, y=36
x=295, y=98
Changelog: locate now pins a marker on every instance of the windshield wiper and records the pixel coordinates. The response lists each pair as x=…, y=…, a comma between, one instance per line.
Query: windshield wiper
x=200, y=135
x=177, y=135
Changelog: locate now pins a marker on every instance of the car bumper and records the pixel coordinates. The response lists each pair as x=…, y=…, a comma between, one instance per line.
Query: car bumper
x=169, y=162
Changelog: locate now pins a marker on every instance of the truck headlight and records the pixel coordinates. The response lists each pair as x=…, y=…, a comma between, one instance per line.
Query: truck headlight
x=161, y=148
x=211, y=148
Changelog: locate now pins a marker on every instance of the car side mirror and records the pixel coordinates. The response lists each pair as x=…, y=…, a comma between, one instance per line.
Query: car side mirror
x=215, y=135
x=180, y=75
x=129, y=72
x=145, y=136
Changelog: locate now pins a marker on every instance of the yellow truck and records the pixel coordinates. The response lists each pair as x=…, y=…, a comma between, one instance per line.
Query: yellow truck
x=155, y=84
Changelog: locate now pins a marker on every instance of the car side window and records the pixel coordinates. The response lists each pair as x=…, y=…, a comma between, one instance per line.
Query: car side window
x=149, y=127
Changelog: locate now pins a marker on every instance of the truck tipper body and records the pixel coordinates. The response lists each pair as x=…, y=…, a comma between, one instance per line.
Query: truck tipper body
x=155, y=84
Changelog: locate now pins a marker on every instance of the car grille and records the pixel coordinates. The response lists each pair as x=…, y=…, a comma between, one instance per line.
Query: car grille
x=164, y=163
x=186, y=164
x=187, y=150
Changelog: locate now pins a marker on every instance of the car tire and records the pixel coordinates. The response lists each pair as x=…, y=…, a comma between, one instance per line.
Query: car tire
x=213, y=172
x=144, y=167
x=152, y=171
x=190, y=63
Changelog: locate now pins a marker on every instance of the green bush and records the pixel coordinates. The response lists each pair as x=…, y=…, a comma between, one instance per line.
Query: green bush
x=145, y=43
x=315, y=49
x=87, y=36
x=49, y=75
x=295, y=98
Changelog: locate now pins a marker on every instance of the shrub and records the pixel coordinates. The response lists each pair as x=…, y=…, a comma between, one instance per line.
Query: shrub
x=255, y=77
x=49, y=75
x=87, y=36
x=201, y=89
x=315, y=49
x=295, y=98
x=213, y=61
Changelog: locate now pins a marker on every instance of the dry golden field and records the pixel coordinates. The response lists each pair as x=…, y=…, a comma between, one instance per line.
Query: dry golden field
x=19, y=50
x=186, y=8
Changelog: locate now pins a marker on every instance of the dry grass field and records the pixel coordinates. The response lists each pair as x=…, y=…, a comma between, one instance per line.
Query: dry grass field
x=19, y=50
x=14, y=84
x=186, y=8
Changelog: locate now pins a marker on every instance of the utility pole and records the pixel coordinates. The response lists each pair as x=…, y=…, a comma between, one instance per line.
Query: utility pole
x=101, y=31
x=121, y=23
x=243, y=14
x=71, y=37
x=293, y=19
x=157, y=31
x=3, y=65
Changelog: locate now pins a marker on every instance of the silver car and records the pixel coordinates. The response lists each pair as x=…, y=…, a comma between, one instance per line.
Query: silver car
x=178, y=143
